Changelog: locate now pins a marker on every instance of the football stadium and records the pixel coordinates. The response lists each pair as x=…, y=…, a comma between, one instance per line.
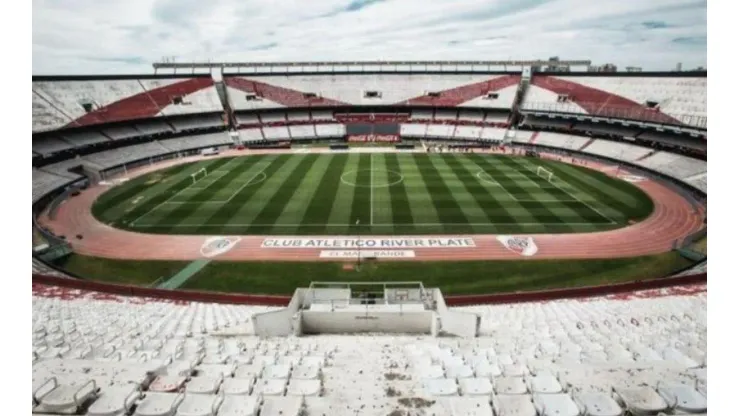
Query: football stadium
x=523, y=237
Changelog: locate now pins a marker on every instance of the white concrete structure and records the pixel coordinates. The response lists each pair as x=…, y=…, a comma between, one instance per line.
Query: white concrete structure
x=674, y=165
x=563, y=141
x=125, y=344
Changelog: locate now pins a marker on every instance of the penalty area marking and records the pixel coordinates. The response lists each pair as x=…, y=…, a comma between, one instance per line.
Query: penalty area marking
x=261, y=175
x=484, y=176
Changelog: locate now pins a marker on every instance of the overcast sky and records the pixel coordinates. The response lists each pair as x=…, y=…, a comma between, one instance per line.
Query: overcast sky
x=126, y=36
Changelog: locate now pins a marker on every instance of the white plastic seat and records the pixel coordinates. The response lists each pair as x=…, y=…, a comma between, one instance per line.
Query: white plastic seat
x=203, y=385
x=240, y=406
x=271, y=387
x=441, y=387
x=597, y=404
x=199, y=405
x=430, y=372
x=513, y=405
x=53, y=397
x=459, y=371
x=515, y=370
x=544, y=383
x=641, y=399
x=159, y=404
x=314, y=360
x=304, y=388
x=216, y=370
x=476, y=387
x=282, y=406
x=305, y=372
x=165, y=384
x=559, y=404
x=115, y=400
x=460, y=406
x=509, y=385
x=237, y=386
x=248, y=370
x=276, y=371
x=683, y=397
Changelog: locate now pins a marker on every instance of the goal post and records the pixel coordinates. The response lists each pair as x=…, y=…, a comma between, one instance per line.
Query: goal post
x=544, y=173
x=200, y=174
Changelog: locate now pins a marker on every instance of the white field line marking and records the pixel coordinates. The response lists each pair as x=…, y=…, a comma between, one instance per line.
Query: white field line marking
x=424, y=224
x=133, y=223
x=527, y=166
x=494, y=182
x=239, y=189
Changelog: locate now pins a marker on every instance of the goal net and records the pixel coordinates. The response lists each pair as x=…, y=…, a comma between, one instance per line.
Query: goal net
x=544, y=173
x=200, y=174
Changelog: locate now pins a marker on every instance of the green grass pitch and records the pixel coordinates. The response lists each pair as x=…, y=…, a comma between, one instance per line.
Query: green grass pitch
x=379, y=193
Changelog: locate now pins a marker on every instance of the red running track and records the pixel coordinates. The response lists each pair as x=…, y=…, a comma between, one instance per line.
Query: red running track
x=673, y=218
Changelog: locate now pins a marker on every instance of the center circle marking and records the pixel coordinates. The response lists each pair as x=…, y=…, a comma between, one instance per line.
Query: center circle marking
x=391, y=173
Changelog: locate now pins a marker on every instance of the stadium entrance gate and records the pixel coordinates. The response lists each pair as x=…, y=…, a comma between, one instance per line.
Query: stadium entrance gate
x=358, y=307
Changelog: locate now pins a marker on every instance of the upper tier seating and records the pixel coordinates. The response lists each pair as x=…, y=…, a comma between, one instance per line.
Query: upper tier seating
x=197, y=122
x=680, y=100
x=300, y=90
x=84, y=138
x=627, y=352
x=49, y=145
x=61, y=103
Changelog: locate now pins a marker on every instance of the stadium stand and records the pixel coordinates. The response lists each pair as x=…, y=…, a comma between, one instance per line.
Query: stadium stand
x=299, y=116
x=563, y=141
x=49, y=145
x=247, y=119
x=468, y=132
x=251, y=135
x=322, y=115
x=616, y=150
x=115, y=157
x=699, y=181
x=641, y=352
x=68, y=102
x=194, y=142
x=120, y=132
x=268, y=118
x=414, y=130
x=45, y=182
x=330, y=130
x=271, y=91
x=80, y=138
x=673, y=165
x=661, y=99
x=194, y=123
x=62, y=168
x=276, y=133
x=153, y=127
x=302, y=132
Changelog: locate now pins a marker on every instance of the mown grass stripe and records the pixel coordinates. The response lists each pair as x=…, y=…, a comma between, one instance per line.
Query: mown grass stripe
x=274, y=207
x=361, y=200
x=113, y=199
x=322, y=201
x=492, y=208
x=182, y=212
x=601, y=193
x=400, y=205
x=225, y=212
x=446, y=205
x=537, y=210
x=151, y=203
